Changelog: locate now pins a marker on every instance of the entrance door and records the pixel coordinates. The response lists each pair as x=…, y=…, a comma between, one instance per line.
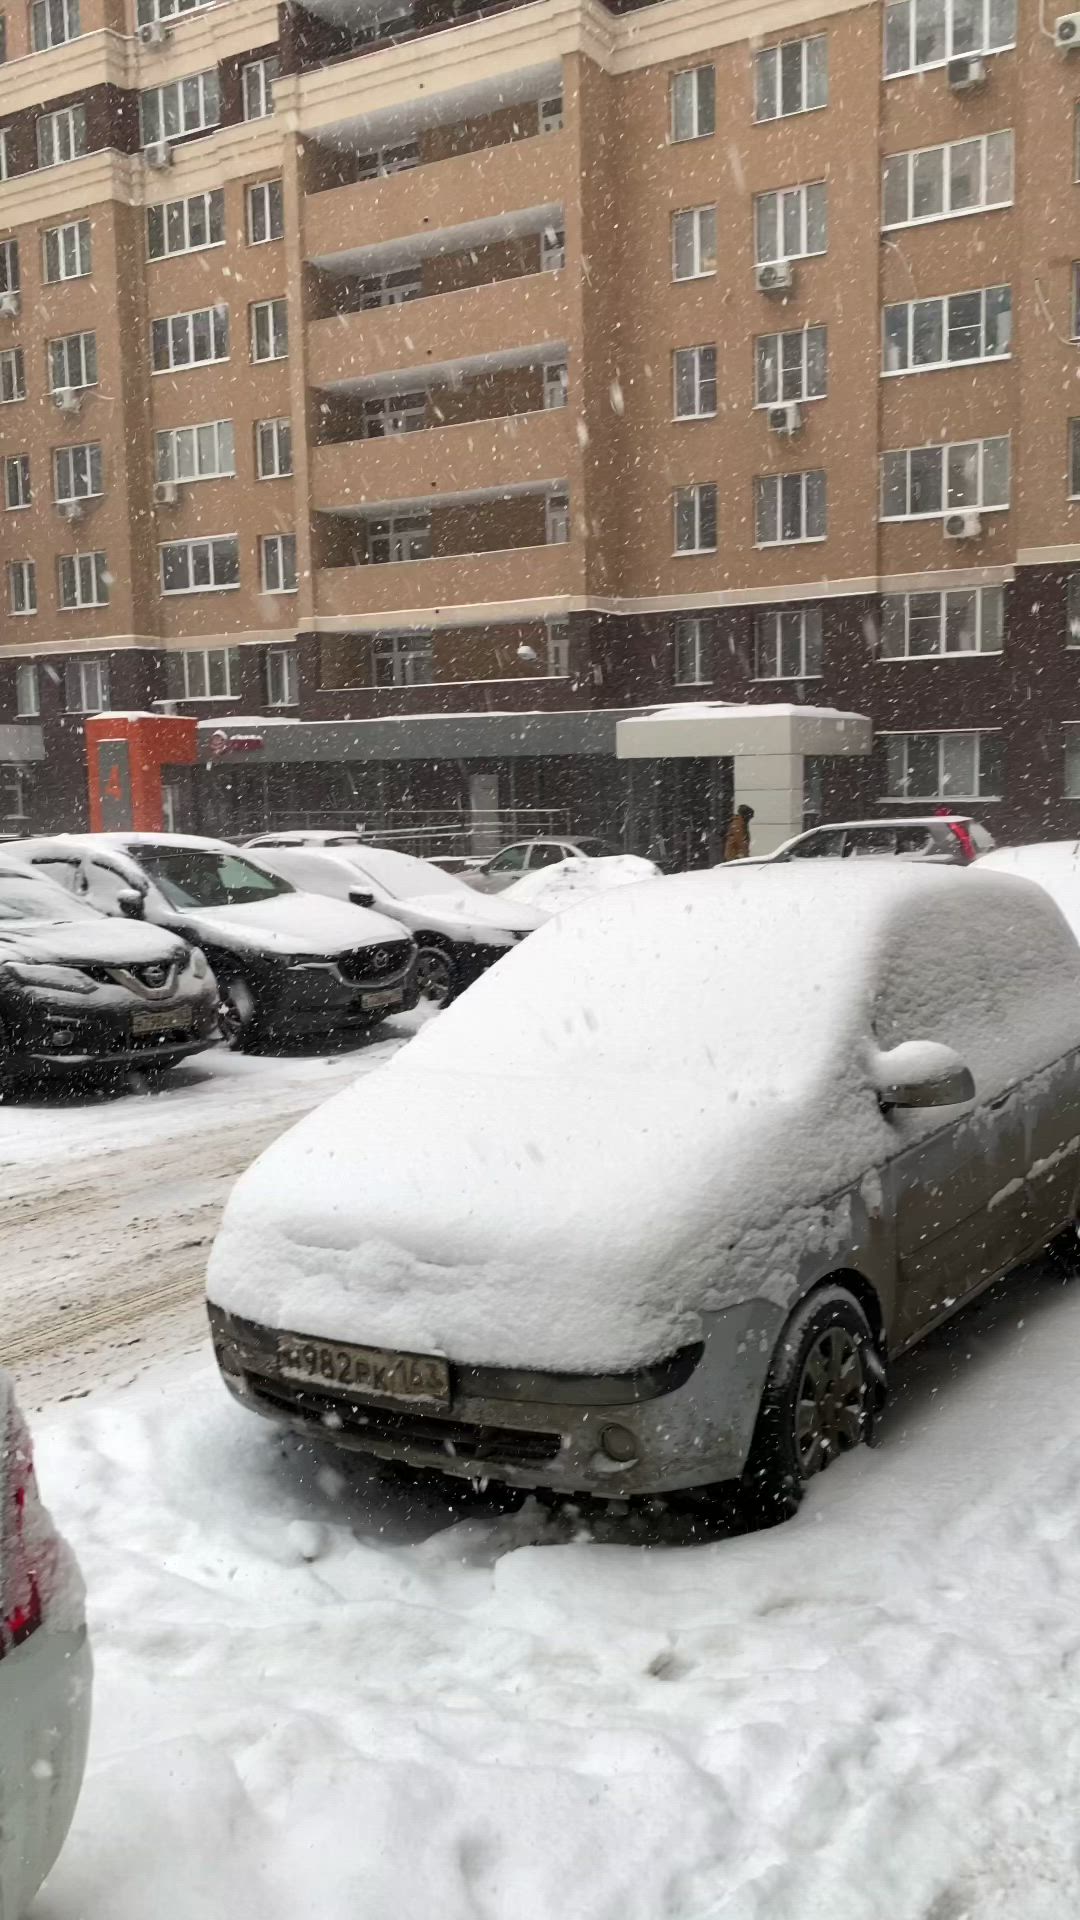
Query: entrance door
x=485, y=836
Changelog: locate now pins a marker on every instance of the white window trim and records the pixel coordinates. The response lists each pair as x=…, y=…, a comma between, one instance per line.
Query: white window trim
x=27, y=671
x=941, y=366
x=68, y=117
x=190, y=366
x=170, y=434
x=18, y=359
x=265, y=85
x=801, y=187
x=275, y=542
x=938, y=733
x=801, y=40
x=911, y=154
x=290, y=674
x=79, y=446
x=207, y=81
x=275, y=421
x=78, y=605
x=267, y=306
x=931, y=66
x=699, y=679
x=198, y=540
x=699, y=133
x=185, y=200
x=802, y=539
x=693, y=214
x=27, y=571
x=1072, y=460
x=18, y=506
x=65, y=226
x=204, y=654
x=66, y=342
x=944, y=447
x=262, y=191
x=776, y=614
x=711, y=413
x=908, y=659
x=695, y=487
x=803, y=399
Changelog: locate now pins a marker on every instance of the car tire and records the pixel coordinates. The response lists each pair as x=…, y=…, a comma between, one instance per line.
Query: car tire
x=436, y=972
x=823, y=1386
x=239, y=1023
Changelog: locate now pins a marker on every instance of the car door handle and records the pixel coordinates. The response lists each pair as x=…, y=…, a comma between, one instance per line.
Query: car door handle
x=1001, y=1101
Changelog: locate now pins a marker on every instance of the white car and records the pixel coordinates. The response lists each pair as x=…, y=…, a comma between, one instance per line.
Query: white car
x=458, y=934
x=45, y=1674
x=529, y=856
x=655, y=1204
x=569, y=882
x=1054, y=865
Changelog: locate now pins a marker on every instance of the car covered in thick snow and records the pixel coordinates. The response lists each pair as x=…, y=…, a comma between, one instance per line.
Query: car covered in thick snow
x=458, y=933
x=1053, y=865
x=641, y=1229
x=286, y=962
x=45, y=1674
x=578, y=878
x=524, y=857
x=81, y=992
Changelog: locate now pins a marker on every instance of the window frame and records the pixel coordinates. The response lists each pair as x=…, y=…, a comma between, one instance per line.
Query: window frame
x=210, y=542
x=68, y=13
x=78, y=668
x=83, y=232
x=404, y=529
x=269, y=195
x=280, y=428
x=701, y=98
x=82, y=568
x=10, y=266
x=169, y=442
x=702, y=243
x=809, y=641
x=557, y=527
x=944, y=449
x=947, y=328
x=760, y=63
x=155, y=104
x=402, y=650
x=943, y=793
x=217, y=320
x=17, y=466
x=256, y=77
x=13, y=360
x=78, y=352
x=702, y=382
x=79, y=454
x=67, y=121
x=212, y=202
x=227, y=657
x=981, y=49
x=698, y=501
x=27, y=678
x=276, y=552
x=912, y=155
x=1073, y=459
x=268, y=312
x=902, y=603
x=802, y=334
x=779, y=482
x=781, y=195
x=688, y=626
x=25, y=573
x=287, y=663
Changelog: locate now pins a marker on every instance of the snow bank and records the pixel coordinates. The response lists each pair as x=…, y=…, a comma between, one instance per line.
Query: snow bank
x=1053, y=865
x=570, y=881
x=639, y=1115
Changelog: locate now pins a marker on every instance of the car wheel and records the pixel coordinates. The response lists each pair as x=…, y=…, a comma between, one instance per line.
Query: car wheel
x=818, y=1401
x=435, y=973
x=238, y=1023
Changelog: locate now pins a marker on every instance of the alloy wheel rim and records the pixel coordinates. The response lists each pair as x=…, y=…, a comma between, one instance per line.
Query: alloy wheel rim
x=433, y=976
x=830, y=1404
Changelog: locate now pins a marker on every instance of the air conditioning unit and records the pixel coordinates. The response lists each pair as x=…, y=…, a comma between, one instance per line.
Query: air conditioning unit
x=158, y=155
x=153, y=33
x=9, y=303
x=67, y=399
x=1067, y=31
x=776, y=276
x=70, y=510
x=166, y=493
x=963, y=526
x=967, y=74
x=786, y=418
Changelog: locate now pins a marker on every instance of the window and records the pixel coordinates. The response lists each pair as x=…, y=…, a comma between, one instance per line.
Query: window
x=186, y=226
x=791, y=224
x=557, y=519
x=61, y=136
x=693, y=103
x=200, y=566
x=927, y=33
x=390, y=413
x=382, y=162
x=789, y=507
x=12, y=376
x=1076, y=300
x=86, y=686
x=687, y=661
x=166, y=9
x=923, y=626
x=9, y=266
x=787, y=644
x=273, y=449
x=695, y=519
x=920, y=482
x=558, y=648
x=73, y=361
x=77, y=473
x=17, y=481
x=1072, y=764
x=791, y=78
x=789, y=366
x=269, y=330
x=180, y=107
x=552, y=249
x=556, y=384
x=278, y=562
x=3, y=149
x=694, y=370
x=83, y=581
x=258, y=84
x=1072, y=611
x=282, y=677
x=204, y=673
x=66, y=251
x=22, y=586
x=402, y=536
x=1074, y=459
x=52, y=22
x=943, y=766
x=3, y=37
x=946, y=331
x=266, y=212
x=27, y=691
x=390, y=289
x=693, y=243
x=551, y=114
x=933, y=183
x=205, y=452
x=189, y=339
x=403, y=659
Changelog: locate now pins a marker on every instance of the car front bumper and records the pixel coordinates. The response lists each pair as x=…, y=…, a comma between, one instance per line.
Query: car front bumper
x=54, y=1034
x=46, y=1687
x=314, y=997
x=690, y=1418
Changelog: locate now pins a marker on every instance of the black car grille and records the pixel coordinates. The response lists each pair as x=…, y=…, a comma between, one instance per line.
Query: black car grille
x=402, y=1426
x=152, y=974
x=375, y=963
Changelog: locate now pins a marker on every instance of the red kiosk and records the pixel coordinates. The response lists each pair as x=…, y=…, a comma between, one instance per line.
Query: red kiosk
x=125, y=753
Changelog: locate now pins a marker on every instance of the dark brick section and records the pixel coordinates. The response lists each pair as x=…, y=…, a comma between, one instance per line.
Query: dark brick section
x=112, y=120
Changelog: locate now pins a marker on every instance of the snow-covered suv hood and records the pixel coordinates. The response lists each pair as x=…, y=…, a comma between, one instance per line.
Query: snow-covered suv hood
x=111, y=943
x=472, y=916
x=291, y=923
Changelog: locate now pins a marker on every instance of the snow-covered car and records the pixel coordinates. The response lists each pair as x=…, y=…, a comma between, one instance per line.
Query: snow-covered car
x=641, y=1229
x=568, y=882
x=286, y=962
x=45, y=1674
x=952, y=840
x=528, y=856
x=1053, y=865
x=458, y=934
x=80, y=991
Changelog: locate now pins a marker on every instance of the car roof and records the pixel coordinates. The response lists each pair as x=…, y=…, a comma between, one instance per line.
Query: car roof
x=891, y=820
x=121, y=842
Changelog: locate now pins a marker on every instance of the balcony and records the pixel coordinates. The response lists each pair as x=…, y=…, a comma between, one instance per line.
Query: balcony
x=436, y=196
x=531, y=310
x=501, y=582
x=472, y=456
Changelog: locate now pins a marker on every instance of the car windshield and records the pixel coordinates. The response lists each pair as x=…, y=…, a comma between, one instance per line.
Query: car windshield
x=38, y=900
x=203, y=877
x=401, y=875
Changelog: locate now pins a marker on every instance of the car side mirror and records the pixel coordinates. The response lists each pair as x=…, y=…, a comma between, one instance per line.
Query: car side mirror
x=922, y=1073
x=361, y=899
x=131, y=903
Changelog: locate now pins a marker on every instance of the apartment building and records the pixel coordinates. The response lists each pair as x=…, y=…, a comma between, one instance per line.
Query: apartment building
x=422, y=395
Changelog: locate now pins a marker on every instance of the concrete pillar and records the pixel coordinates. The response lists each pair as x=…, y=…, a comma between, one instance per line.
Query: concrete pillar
x=771, y=783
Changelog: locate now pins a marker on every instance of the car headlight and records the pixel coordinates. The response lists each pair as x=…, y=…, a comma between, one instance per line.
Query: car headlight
x=41, y=978
x=198, y=964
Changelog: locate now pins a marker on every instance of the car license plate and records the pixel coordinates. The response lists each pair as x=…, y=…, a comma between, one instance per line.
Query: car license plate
x=168, y=1020
x=386, y=997
x=369, y=1370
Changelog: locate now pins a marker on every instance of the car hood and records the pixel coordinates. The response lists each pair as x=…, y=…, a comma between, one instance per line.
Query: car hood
x=102, y=943
x=474, y=916
x=290, y=923
x=483, y=1218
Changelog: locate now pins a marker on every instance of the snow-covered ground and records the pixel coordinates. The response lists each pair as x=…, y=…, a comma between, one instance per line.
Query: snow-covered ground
x=319, y=1692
